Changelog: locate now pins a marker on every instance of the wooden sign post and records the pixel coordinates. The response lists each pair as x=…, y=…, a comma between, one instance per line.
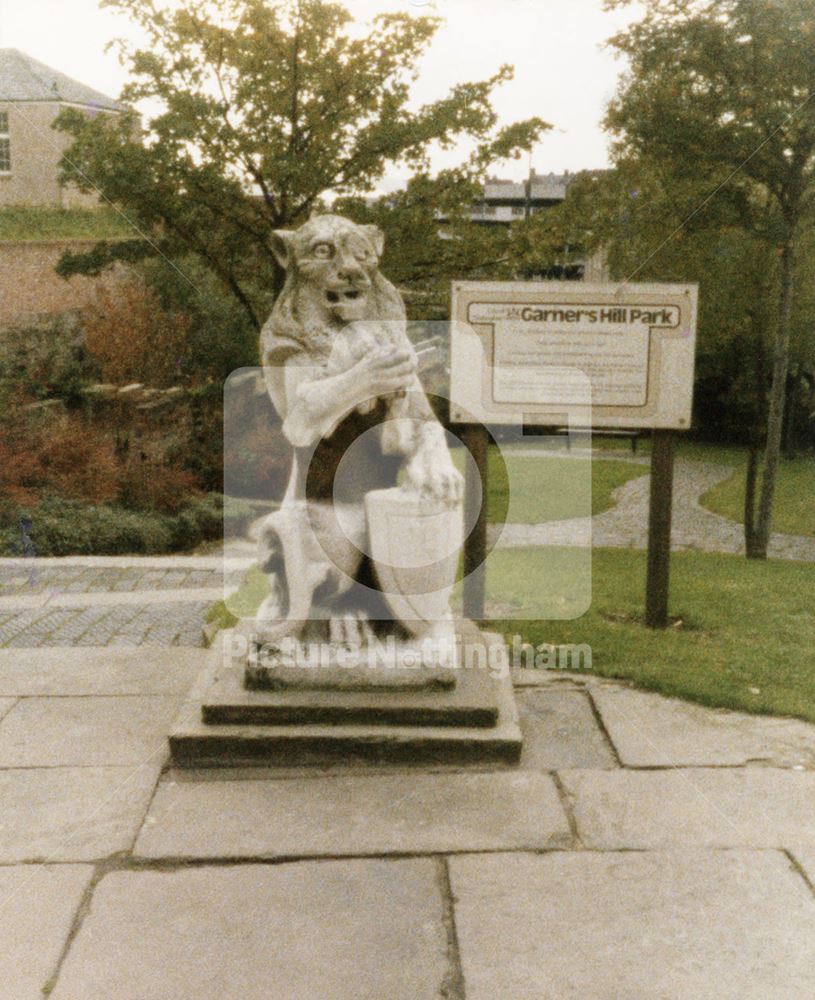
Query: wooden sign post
x=476, y=440
x=659, y=529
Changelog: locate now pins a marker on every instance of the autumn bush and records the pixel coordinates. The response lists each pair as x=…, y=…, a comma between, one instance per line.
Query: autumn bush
x=67, y=486
x=104, y=472
x=133, y=338
x=60, y=453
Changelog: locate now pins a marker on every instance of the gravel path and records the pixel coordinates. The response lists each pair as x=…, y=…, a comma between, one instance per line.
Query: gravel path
x=626, y=524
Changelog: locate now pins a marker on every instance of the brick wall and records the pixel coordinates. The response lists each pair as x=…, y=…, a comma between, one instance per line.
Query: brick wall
x=30, y=287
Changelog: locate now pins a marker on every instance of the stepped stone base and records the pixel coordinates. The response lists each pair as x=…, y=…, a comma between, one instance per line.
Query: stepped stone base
x=224, y=725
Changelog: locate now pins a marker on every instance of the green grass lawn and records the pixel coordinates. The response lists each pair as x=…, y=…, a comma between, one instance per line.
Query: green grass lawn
x=529, y=490
x=794, y=509
x=744, y=636
x=23, y=224
x=243, y=603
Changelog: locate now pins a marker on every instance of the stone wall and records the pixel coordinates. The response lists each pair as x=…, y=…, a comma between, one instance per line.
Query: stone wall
x=31, y=288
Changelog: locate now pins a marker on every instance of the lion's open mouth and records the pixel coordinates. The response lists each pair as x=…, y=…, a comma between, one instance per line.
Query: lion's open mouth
x=335, y=298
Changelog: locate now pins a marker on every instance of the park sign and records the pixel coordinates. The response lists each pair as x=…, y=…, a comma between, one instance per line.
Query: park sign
x=568, y=353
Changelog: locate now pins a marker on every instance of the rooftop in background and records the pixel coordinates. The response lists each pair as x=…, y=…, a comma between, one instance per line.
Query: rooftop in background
x=23, y=79
x=506, y=201
x=545, y=187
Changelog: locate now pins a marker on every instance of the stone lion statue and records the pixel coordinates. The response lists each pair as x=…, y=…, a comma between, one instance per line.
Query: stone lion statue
x=342, y=374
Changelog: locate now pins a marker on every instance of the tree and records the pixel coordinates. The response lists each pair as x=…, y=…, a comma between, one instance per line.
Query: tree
x=266, y=110
x=724, y=89
x=431, y=240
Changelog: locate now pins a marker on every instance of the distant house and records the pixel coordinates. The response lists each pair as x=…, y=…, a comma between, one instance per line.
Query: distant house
x=505, y=201
x=31, y=96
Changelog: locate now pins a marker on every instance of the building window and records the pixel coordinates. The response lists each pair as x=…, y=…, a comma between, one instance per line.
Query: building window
x=5, y=144
x=518, y=210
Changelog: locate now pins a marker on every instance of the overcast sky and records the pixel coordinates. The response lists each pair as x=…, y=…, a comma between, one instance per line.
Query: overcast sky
x=562, y=72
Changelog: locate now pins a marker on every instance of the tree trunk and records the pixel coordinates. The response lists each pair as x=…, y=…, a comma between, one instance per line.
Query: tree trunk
x=789, y=447
x=750, y=501
x=778, y=393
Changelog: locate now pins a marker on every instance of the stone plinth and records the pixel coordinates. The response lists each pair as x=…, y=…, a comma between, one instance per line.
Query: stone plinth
x=225, y=725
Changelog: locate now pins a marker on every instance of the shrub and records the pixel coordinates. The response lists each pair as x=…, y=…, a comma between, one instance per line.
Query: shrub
x=146, y=483
x=60, y=454
x=58, y=527
x=199, y=522
x=47, y=359
x=77, y=461
x=64, y=527
x=134, y=339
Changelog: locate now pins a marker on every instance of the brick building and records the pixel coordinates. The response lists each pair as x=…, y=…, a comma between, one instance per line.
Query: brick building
x=31, y=96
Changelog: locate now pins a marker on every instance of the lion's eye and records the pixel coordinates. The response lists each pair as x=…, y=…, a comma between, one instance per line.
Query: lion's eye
x=323, y=251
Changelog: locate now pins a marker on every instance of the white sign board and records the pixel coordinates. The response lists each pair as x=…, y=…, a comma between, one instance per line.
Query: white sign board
x=568, y=353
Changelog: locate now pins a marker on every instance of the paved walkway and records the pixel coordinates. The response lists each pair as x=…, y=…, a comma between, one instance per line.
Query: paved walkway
x=625, y=525
x=644, y=849
x=118, y=602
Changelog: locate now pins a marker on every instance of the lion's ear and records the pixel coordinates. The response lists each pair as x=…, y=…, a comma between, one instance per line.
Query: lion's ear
x=282, y=243
x=377, y=238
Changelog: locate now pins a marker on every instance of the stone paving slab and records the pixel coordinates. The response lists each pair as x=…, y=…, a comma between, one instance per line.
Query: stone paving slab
x=111, y=731
x=377, y=814
x=649, y=730
x=706, y=925
x=71, y=813
x=720, y=807
x=37, y=906
x=6, y=704
x=560, y=731
x=103, y=670
x=362, y=930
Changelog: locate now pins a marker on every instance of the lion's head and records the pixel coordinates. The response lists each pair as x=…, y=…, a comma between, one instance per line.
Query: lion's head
x=332, y=279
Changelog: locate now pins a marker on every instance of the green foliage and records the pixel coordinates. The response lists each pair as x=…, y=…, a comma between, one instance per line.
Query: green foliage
x=220, y=336
x=430, y=240
x=722, y=90
x=46, y=359
x=59, y=527
x=264, y=109
x=723, y=84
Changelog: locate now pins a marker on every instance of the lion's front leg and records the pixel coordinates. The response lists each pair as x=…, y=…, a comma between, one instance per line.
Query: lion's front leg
x=430, y=470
